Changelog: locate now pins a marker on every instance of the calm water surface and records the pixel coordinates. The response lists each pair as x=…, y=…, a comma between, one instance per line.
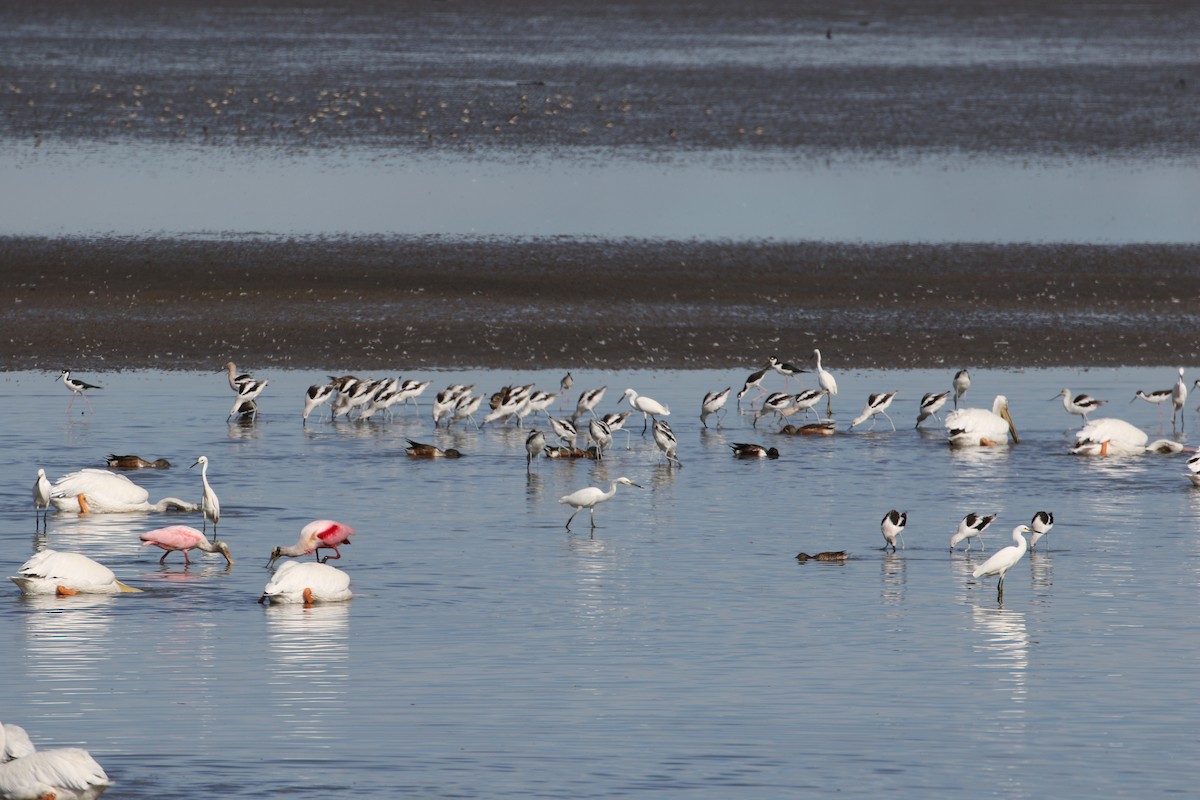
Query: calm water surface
x=680, y=650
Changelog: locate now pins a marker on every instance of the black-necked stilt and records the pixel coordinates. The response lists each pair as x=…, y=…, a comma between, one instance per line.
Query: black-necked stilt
x=77, y=387
x=892, y=528
x=970, y=527
x=876, y=404
x=783, y=368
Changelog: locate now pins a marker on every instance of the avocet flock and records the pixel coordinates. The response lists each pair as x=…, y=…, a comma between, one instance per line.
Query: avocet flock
x=94, y=491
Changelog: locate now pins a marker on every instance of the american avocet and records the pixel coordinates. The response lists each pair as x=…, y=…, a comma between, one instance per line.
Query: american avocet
x=208, y=503
x=41, y=497
x=1178, y=398
x=745, y=450
x=827, y=382
x=538, y=401
x=664, y=437
x=978, y=427
x=1041, y=524
x=931, y=403
x=564, y=430
x=307, y=582
x=465, y=408
x=419, y=450
x=892, y=528
x=410, y=390
x=61, y=772
x=317, y=394
x=713, y=403
x=1109, y=437
x=444, y=401
x=803, y=400
x=648, y=406
x=535, y=443
x=970, y=527
x=960, y=384
x=566, y=383
x=54, y=572
x=775, y=403
x=318, y=535
x=236, y=381
x=102, y=492
x=181, y=538
x=876, y=404
x=601, y=434
x=247, y=393
x=592, y=496
x=1080, y=404
x=588, y=400
x=1004, y=559
x=78, y=388
x=506, y=405
x=753, y=382
x=135, y=462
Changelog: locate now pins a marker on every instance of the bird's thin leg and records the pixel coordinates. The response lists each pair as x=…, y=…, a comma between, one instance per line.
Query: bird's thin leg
x=71, y=403
x=89, y=402
x=568, y=526
x=645, y=422
x=163, y=560
x=592, y=513
x=186, y=560
x=889, y=419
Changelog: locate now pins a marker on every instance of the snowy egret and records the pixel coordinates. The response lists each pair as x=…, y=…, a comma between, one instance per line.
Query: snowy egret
x=308, y=582
x=876, y=404
x=743, y=450
x=183, y=538
x=66, y=773
x=827, y=382
x=317, y=394
x=1080, y=404
x=64, y=574
x=713, y=403
x=970, y=527
x=961, y=382
x=101, y=492
x=648, y=406
x=892, y=528
x=753, y=382
x=41, y=497
x=978, y=427
x=601, y=434
x=135, y=462
x=931, y=403
x=564, y=430
x=1109, y=437
x=420, y=450
x=590, y=497
x=1004, y=559
x=664, y=437
x=318, y=535
x=1178, y=398
x=78, y=388
x=1041, y=524
x=535, y=442
x=208, y=503
x=588, y=400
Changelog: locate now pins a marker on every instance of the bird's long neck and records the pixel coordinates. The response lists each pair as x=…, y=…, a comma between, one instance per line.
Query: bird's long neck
x=612, y=489
x=298, y=549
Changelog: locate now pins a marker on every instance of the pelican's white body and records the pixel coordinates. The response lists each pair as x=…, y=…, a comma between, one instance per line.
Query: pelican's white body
x=328, y=584
x=107, y=493
x=50, y=569
x=1116, y=437
x=977, y=427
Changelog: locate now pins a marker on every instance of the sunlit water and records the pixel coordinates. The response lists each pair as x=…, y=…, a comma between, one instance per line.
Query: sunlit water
x=680, y=649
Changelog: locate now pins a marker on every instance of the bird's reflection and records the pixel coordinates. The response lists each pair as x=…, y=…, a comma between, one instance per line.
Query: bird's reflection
x=893, y=575
x=68, y=645
x=1041, y=569
x=1003, y=645
x=310, y=649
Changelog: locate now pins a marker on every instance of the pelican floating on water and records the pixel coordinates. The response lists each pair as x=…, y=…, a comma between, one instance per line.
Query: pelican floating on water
x=52, y=572
x=64, y=773
x=307, y=582
x=101, y=492
x=1109, y=437
x=978, y=427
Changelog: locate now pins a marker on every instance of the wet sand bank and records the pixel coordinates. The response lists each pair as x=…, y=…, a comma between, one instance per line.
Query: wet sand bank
x=392, y=304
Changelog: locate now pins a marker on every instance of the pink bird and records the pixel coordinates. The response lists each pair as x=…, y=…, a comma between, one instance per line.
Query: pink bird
x=181, y=537
x=315, y=536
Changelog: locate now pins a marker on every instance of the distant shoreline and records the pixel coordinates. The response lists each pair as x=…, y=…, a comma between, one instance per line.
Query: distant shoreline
x=427, y=302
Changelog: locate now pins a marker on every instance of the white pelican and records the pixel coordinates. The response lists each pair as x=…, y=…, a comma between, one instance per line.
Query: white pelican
x=753, y=382
x=183, y=538
x=826, y=382
x=961, y=382
x=41, y=497
x=1004, y=559
x=743, y=450
x=876, y=404
x=648, y=406
x=52, y=572
x=971, y=526
x=892, y=528
x=1041, y=524
x=664, y=437
x=77, y=387
x=1109, y=437
x=64, y=773
x=14, y=742
x=931, y=403
x=317, y=394
x=978, y=427
x=320, y=534
x=1178, y=398
x=590, y=497
x=713, y=403
x=102, y=492
x=535, y=442
x=208, y=503
x=307, y=582
x=1080, y=404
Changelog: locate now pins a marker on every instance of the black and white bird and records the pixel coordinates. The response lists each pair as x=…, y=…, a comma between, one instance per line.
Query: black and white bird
x=748, y=450
x=565, y=430
x=588, y=400
x=783, y=368
x=753, y=382
x=931, y=403
x=78, y=388
x=962, y=382
x=892, y=528
x=535, y=442
x=970, y=527
x=713, y=403
x=317, y=394
x=1041, y=524
x=775, y=403
x=664, y=437
x=247, y=394
x=876, y=404
x=601, y=434
x=1081, y=404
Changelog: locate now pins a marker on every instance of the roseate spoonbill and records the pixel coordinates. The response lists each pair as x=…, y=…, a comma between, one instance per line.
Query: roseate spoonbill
x=183, y=538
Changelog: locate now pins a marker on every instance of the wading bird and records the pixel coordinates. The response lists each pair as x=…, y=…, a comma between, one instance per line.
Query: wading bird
x=1004, y=559
x=41, y=498
x=590, y=497
x=827, y=382
x=971, y=526
x=1041, y=524
x=713, y=403
x=961, y=382
x=931, y=403
x=208, y=503
x=318, y=535
x=892, y=528
x=181, y=538
x=78, y=388
x=876, y=404
x=648, y=406
x=1080, y=404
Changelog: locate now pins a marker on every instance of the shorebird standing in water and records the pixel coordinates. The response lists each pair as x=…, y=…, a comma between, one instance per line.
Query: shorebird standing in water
x=77, y=387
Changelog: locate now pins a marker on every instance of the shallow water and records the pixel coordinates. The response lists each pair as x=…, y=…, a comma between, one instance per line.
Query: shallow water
x=679, y=649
